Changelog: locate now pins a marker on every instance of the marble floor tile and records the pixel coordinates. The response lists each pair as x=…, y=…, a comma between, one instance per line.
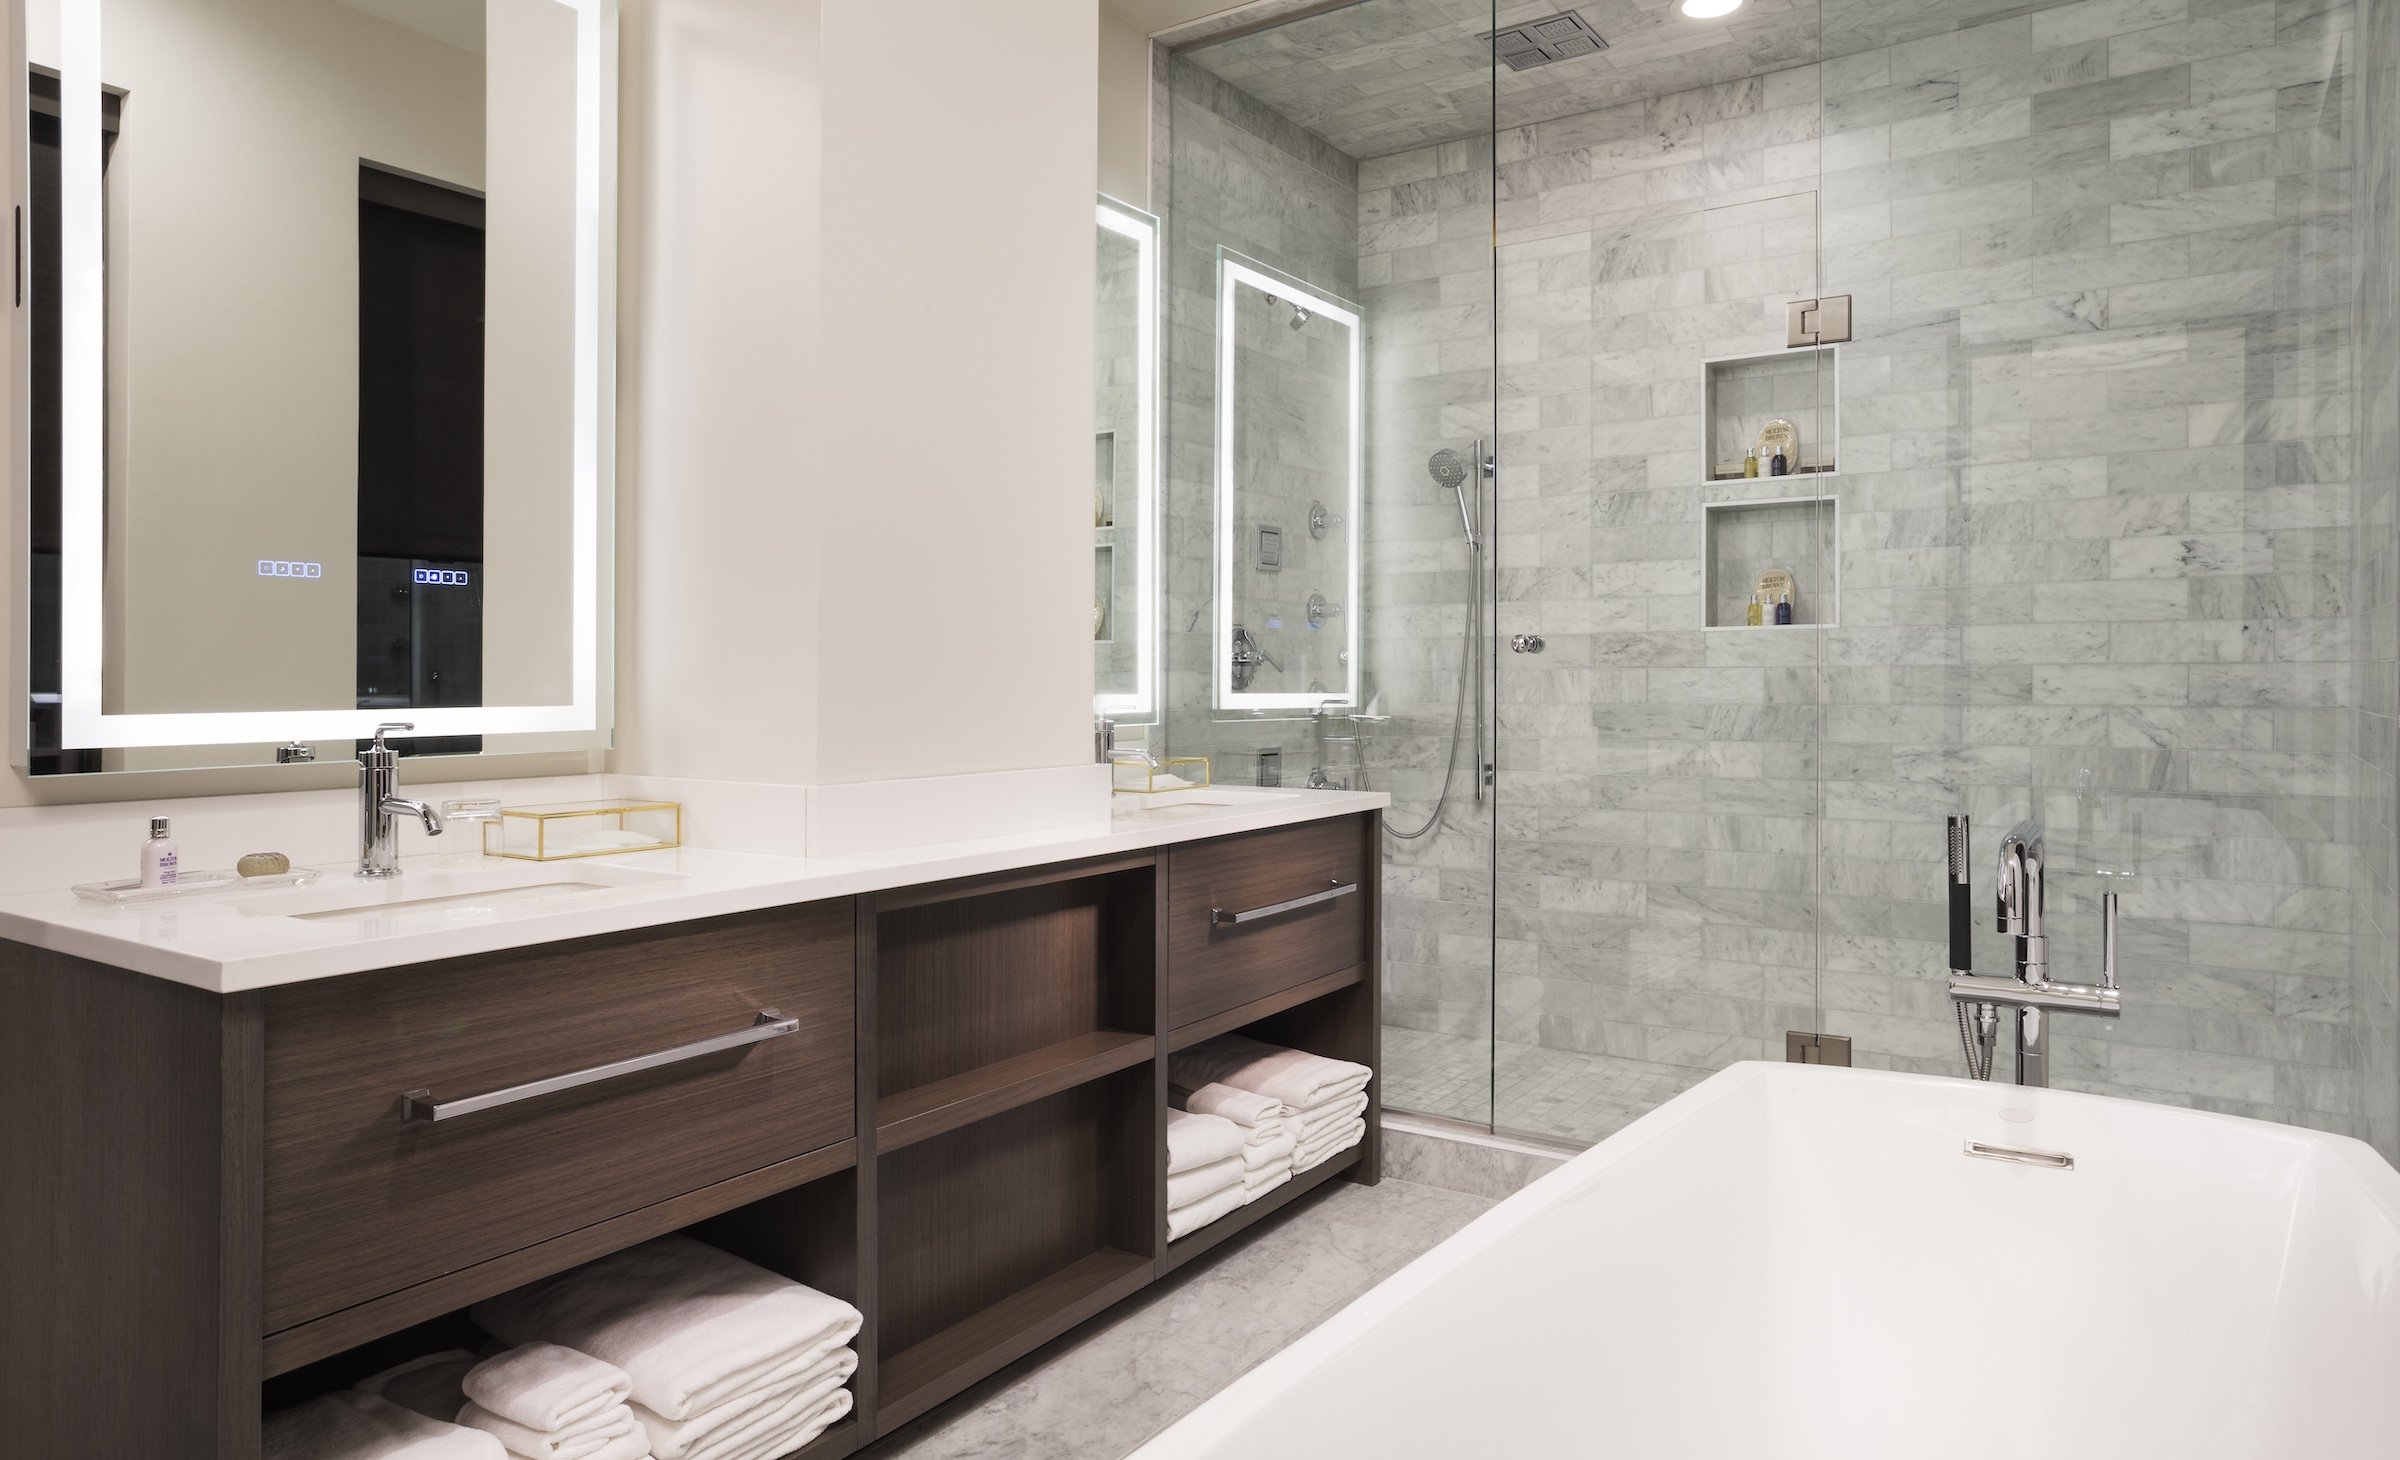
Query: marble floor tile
x=1101, y=1391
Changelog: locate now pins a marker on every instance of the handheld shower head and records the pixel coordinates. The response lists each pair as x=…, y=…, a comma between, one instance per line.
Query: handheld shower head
x=1449, y=472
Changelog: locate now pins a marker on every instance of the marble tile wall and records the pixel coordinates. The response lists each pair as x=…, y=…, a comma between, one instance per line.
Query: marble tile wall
x=2095, y=543
x=1115, y=465
x=2374, y=743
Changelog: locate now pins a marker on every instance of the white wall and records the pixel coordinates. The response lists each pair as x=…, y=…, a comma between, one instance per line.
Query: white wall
x=955, y=478
x=1124, y=110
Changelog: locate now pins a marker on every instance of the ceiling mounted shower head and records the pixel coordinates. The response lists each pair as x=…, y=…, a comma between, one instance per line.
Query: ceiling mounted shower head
x=1560, y=37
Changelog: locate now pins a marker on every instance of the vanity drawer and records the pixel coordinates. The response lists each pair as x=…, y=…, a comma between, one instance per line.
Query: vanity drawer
x=1253, y=915
x=364, y=1197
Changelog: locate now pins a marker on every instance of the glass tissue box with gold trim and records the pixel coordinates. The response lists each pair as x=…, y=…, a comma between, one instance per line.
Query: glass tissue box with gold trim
x=1145, y=777
x=570, y=829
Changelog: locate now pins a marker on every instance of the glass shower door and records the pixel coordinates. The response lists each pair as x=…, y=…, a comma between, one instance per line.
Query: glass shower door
x=1667, y=462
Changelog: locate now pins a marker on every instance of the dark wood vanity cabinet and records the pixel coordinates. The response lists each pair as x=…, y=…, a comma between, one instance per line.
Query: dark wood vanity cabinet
x=213, y=1202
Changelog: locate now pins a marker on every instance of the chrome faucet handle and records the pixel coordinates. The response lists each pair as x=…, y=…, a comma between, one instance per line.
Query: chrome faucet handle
x=388, y=727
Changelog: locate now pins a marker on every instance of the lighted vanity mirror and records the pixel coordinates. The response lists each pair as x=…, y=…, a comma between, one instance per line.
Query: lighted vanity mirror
x=1125, y=484
x=1289, y=483
x=320, y=326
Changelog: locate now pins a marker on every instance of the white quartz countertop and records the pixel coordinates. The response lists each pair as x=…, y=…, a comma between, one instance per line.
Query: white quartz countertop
x=451, y=905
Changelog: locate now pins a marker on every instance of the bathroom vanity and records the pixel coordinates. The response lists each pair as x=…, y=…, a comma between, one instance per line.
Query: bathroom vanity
x=261, y=1146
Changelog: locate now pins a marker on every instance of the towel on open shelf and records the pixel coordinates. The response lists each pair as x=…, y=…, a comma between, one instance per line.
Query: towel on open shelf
x=690, y=1325
x=1308, y=1125
x=433, y=1385
x=1327, y=1146
x=547, y=1387
x=1269, y=1153
x=1245, y=1108
x=775, y=1444
x=611, y=1434
x=1254, y=1187
x=1197, y=1140
x=1186, y=1187
x=1182, y=1221
x=1299, y=1079
x=753, y=1412
x=354, y=1425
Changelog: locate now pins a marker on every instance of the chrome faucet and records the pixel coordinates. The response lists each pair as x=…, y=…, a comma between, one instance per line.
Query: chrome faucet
x=1979, y=997
x=378, y=778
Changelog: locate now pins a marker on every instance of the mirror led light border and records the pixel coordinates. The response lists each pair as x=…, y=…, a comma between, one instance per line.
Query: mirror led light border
x=83, y=724
x=1231, y=274
x=1132, y=223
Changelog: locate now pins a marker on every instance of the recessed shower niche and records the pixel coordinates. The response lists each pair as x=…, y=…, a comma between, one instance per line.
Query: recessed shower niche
x=1745, y=395
x=1742, y=542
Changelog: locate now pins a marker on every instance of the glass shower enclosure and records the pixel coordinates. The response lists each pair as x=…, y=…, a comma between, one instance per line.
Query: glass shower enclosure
x=2080, y=518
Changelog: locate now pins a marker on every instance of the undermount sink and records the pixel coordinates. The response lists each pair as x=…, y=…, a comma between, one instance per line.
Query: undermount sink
x=1242, y=796
x=432, y=897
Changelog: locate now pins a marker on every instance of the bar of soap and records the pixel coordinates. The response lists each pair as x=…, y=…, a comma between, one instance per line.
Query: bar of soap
x=263, y=864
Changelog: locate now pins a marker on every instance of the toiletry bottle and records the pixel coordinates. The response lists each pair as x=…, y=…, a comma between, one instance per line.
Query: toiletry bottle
x=1780, y=466
x=1758, y=612
x=158, y=856
x=1750, y=465
x=1783, y=609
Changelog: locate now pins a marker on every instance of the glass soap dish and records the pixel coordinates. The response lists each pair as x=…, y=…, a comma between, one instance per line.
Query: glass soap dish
x=571, y=829
x=129, y=891
x=1156, y=778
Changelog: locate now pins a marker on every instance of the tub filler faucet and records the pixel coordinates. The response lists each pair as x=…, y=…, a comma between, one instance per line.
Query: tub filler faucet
x=1979, y=997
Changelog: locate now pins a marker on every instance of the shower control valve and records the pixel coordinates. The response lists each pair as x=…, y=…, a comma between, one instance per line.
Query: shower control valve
x=1527, y=644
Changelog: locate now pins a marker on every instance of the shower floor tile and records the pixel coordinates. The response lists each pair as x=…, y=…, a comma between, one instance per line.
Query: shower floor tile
x=1555, y=1094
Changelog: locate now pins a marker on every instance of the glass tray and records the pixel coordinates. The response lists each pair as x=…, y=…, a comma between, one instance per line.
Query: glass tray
x=129, y=892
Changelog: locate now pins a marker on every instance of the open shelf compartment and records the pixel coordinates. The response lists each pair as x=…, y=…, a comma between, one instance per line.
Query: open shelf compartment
x=996, y=1238
x=990, y=1001
x=1741, y=394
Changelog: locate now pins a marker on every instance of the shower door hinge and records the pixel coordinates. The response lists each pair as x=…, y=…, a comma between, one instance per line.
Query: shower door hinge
x=1823, y=321
x=1800, y=1047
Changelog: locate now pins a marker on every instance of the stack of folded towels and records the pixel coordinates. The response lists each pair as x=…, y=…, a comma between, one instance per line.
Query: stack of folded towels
x=357, y=1425
x=723, y=1360
x=1204, y=1170
x=1267, y=1136
x=546, y=1402
x=1327, y=1098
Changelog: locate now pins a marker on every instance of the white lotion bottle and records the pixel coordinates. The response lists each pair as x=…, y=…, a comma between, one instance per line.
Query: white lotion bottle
x=158, y=856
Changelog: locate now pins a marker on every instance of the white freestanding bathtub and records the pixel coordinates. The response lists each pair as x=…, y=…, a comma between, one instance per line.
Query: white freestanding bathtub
x=1795, y=1261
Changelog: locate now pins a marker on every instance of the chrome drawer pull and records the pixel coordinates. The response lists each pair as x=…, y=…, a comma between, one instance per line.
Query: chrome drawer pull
x=1222, y=918
x=419, y=1105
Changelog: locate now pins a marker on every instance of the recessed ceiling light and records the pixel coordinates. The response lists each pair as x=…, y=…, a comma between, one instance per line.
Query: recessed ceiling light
x=1708, y=9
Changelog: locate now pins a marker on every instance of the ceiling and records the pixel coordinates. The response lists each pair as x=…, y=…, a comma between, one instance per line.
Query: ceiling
x=1387, y=76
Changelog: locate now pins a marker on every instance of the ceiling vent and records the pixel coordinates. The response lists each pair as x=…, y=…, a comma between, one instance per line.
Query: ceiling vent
x=1560, y=37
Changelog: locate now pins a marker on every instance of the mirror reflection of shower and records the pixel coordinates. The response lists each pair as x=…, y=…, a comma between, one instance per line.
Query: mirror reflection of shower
x=1453, y=473
x=1300, y=316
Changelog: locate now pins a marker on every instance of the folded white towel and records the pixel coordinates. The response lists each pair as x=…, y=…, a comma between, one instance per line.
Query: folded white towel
x=1332, y=1144
x=351, y=1425
x=1184, y=1220
x=1270, y=1153
x=772, y=1444
x=547, y=1388
x=1197, y=1140
x=632, y=1444
x=1310, y=1124
x=1186, y=1187
x=1267, y=1181
x=1246, y=1108
x=1295, y=1077
x=432, y=1385
x=592, y=1436
x=732, y=1420
x=692, y=1326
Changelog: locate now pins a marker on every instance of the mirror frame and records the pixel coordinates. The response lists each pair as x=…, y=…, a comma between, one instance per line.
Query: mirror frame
x=84, y=723
x=1234, y=273
x=1127, y=221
